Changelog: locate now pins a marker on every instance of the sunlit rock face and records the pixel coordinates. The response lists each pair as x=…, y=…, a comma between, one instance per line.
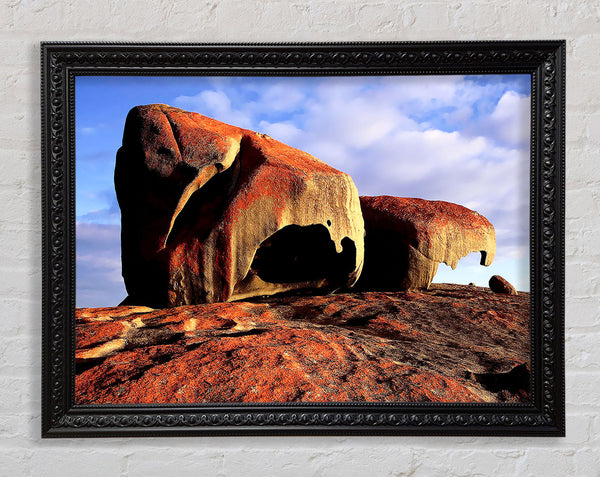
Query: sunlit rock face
x=406, y=239
x=211, y=212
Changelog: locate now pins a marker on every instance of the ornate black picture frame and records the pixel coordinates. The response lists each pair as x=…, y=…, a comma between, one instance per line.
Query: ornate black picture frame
x=543, y=60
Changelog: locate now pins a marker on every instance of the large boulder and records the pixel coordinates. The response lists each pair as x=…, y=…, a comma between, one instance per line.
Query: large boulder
x=406, y=239
x=211, y=212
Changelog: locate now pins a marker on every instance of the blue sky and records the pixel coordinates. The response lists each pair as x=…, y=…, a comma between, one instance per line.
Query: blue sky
x=462, y=139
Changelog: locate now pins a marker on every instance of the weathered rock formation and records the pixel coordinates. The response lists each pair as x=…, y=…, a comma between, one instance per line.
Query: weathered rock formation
x=406, y=239
x=212, y=212
x=453, y=343
x=501, y=285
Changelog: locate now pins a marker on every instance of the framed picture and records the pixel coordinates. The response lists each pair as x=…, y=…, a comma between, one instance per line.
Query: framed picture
x=342, y=238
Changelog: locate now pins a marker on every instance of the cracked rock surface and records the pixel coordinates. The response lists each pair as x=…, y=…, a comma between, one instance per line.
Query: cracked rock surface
x=452, y=343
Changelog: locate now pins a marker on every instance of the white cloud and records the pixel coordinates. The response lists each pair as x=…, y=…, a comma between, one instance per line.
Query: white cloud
x=371, y=133
x=334, y=153
x=459, y=115
x=285, y=132
x=215, y=100
x=281, y=97
x=217, y=105
x=356, y=122
x=387, y=152
x=432, y=91
x=110, y=266
x=98, y=259
x=511, y=117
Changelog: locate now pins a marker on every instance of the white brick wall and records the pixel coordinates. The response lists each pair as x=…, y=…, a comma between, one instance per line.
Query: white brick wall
x=26, y=22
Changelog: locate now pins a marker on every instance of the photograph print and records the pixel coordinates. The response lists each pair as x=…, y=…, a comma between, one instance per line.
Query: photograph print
x=302, y=239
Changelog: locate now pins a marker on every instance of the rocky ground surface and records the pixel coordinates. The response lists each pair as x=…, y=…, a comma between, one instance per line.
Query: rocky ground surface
x=452, y=343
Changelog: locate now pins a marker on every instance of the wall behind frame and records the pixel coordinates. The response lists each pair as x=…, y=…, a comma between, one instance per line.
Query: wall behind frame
x=25, y=23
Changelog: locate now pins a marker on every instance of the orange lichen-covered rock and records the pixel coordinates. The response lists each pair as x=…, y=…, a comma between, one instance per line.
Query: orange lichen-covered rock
x=454, y=343
x=211, y=212
x=406, y=239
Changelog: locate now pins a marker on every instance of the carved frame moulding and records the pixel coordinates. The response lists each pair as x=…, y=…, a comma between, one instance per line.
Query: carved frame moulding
x=63, y=64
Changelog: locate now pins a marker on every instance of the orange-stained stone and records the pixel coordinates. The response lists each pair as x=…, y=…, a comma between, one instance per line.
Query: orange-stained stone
x=371, y=346
x=406, y=239
x=499, y=284
x=199, y=197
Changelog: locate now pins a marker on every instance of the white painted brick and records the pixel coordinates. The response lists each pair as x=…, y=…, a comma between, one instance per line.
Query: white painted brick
x=581, y=238
x=379, y=17
x=583, y=48
x=284, y=13
x=473, y=462
x=15, y=464
x=431, y=468
x=12, y=50
x=276, y=19
x=189, y=463
x=582, y=351
x=550, y=19
x=578, y=429
x=582, y=276
x=21, y=317
x=35, y=16
x=325, y=15
x=587, y=462
x=433, y=17
x=58, y=462
x=582, y=390
x=120, y=15
x=577, y=86
x=325, y=462
x=547, y=462
x=21, y=283
x=21, y=253
x=92, y=16
x=17, y=428
x=596, y=430
x=13, y=390
x=576, y=127
x=479, y=16
x=16, y=166
x=582, y=311
x=586, y=193
x=19, y=355
x=6, y=13
x=592, y=130
x=22, y=206
x=584, y=203
x=582, y=169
